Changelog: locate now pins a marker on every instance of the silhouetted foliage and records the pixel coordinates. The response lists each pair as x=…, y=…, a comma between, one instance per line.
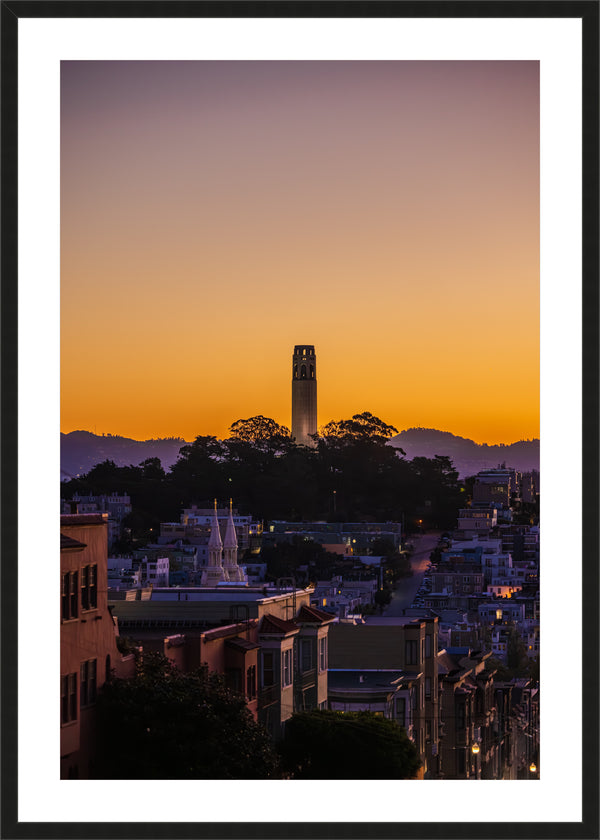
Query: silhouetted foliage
x=363, y=426
x=352, y=745
x=259, y=429
x=353, y=474
x=163, y=724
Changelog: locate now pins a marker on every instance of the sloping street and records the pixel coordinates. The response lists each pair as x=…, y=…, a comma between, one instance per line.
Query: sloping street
x=406, y=590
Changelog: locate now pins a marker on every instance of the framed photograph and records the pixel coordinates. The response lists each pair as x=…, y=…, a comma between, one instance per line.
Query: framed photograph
x=191, y=189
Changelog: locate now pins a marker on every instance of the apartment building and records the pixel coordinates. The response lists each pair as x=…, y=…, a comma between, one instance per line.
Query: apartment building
x=88, y=638
x=406, y=646
x=468, y=716
x=279, y=665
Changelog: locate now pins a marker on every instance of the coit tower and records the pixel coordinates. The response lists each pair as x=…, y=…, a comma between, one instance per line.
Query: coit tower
x=304, y=394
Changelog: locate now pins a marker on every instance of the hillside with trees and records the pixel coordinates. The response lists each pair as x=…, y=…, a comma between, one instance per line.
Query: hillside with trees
x=350, y=475
x=467, y=456
x=81, y=450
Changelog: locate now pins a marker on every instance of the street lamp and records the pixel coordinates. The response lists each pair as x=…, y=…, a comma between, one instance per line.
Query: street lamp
x=475, y=751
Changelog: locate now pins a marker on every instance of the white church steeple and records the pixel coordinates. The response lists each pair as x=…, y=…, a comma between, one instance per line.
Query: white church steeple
x=214, y=572
x=230, y=551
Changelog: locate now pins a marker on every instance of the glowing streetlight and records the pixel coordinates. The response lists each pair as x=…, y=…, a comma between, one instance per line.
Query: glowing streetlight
x=475, y=751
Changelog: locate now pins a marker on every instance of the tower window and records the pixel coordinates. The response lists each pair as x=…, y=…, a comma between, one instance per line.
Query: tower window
x=312, y=372
x=295, y=371
x=303, y=372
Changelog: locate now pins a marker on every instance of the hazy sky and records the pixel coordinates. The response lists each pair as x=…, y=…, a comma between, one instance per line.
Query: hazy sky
x=215, y=214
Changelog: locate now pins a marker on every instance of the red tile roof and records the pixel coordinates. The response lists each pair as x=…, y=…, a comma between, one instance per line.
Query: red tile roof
x=308, y=614
x=271, y=624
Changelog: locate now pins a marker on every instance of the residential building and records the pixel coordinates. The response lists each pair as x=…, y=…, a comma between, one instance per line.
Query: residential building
x=405, y=645
x=88, y=638
x=496, y=486
x=279, y=664
x=343, y=598
x=469, y=743
x=349, y=538
x=118, y=506
x=475, y=521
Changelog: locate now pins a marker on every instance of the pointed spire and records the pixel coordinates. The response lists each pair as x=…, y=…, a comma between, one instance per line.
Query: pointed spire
x=214, y=572
x=215, y=533
x=230, y=534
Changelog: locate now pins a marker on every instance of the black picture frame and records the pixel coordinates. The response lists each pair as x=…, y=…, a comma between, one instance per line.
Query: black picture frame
x=12, y=11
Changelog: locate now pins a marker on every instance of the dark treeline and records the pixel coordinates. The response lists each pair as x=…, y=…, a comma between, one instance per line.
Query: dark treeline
x=350, y=475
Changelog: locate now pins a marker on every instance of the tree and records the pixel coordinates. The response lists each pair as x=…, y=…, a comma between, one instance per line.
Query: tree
x=516, y=652
x=363, y=426
x=352, y=745
x=163, y=724
x=258, y=430
x=383, y=597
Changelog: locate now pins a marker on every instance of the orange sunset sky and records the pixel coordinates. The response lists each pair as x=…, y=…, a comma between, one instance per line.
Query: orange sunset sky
x=215, y=214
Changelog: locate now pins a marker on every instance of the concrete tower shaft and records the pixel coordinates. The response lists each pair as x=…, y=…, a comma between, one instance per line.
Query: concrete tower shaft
x=304, y=394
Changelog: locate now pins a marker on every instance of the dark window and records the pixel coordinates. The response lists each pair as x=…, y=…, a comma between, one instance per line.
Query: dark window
x=74, y=595
x=268, y=668
x=85, y=593
x=427, y=688
x=107, y=668
x=87, y=682
x=303, y=372
x=89, y=589
x=460, y=716
x=427, y=646
x=410, y=652
x=401, y=710
x=306, y=655
x=68, y=698
x=93, y=583
x=64, y=596
x=461, y=762
x=251, y=682
x=69, y=595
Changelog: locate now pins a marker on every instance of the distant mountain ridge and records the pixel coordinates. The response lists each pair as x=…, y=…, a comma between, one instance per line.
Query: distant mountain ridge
x=467, y=456
x=80, y=451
